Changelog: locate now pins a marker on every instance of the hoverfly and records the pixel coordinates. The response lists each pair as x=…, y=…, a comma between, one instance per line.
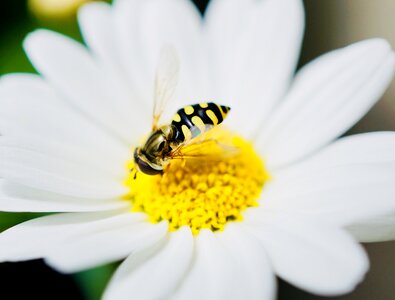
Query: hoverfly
x=185, y=137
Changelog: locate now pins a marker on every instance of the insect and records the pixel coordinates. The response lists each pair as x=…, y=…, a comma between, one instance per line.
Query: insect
x=185, y=136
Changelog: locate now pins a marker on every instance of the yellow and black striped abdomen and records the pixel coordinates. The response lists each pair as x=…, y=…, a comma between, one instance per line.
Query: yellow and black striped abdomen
x=198, y=117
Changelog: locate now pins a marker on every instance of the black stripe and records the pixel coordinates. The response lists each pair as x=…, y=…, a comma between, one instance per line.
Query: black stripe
x=215, y=109
x=185, y=120
x=203, y=115
x=179, y=135
x=225, y=109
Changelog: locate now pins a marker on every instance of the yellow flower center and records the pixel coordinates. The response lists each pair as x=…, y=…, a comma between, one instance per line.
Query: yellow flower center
x=201, y=192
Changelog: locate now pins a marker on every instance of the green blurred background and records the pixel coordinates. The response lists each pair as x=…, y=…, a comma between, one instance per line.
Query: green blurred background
x=329, y=24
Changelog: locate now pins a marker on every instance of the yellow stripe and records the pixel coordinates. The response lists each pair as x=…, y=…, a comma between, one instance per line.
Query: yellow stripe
x=212, y=116
x=188, y=110
x=222, y=112
x=187, y=133
x=197, y=121
x=203, y=105
x=176, y=118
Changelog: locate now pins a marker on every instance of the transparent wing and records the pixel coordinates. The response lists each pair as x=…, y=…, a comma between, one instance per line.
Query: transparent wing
x=211, y=145
x=166, y=80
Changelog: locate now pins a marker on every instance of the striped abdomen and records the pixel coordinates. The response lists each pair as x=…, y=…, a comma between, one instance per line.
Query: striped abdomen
x=192, y=120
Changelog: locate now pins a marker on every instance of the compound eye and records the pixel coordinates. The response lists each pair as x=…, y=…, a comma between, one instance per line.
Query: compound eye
x=144, y=167
x=147, y=169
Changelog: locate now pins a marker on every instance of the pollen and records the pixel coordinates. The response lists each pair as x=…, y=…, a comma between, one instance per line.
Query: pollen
x=202, y=192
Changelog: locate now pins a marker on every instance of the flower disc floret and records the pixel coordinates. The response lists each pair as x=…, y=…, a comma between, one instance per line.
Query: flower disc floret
x=201, y=193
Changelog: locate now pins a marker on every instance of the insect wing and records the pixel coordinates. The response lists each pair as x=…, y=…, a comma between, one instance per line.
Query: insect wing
x=210, y=145
x=166, y=80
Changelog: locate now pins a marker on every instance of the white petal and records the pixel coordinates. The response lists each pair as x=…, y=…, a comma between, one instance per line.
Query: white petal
x=210, y=274
x=157, y=277
x=98, y=29
x=145, y=27
x=328, y=96
x=34, y=239
x=70, y=153
x=47, y=173
x=222, y=13
x=310, y=255
x=44, y=138
x=379, y=229
x=160, y=25
x=365, y=148
x=255, y=47
x=349, y=181
x=19, y=198
x=34, y=117
x=126, y=16
x=81, y=80
x=84, y=251
x=11, y=155
x=253, y=277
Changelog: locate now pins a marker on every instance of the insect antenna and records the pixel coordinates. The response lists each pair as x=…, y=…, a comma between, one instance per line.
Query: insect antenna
x=134, y=172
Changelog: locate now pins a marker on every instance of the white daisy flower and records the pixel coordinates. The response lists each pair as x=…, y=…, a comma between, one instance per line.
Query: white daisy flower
x=208, y=231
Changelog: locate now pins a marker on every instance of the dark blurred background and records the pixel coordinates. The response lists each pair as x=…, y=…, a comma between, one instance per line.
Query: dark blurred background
x=329, y=25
